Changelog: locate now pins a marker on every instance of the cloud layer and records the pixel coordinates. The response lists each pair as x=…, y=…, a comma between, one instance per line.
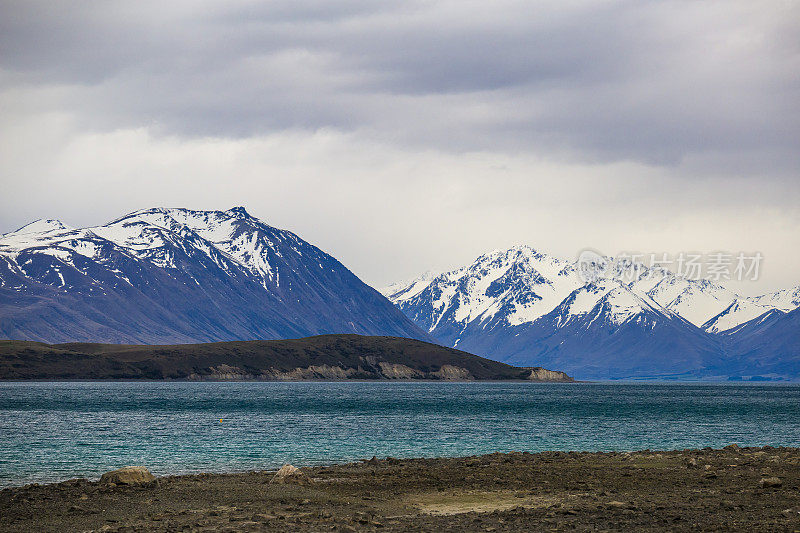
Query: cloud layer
x=408, y=135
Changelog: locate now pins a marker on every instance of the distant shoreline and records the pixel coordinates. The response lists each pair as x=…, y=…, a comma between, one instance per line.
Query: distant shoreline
x=388, y=380
x=382, y=380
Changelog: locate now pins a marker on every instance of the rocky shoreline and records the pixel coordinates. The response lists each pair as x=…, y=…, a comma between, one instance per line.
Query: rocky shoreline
x=733, y=489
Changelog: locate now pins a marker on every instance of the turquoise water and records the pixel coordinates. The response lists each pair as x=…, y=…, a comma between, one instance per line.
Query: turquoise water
x=54, y=431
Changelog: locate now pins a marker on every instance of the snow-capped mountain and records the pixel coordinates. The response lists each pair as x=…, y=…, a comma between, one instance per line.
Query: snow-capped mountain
x=705, y=304
x=178, y=275
x=525, y=307
x=514, y=286
x=785, y=300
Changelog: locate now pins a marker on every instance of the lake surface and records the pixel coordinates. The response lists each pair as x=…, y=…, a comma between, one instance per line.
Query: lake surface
x=55, y=431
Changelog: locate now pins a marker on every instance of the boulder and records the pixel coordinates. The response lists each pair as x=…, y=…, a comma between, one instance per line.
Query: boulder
x=770, y=482
x=129, y=475
x=289, y=474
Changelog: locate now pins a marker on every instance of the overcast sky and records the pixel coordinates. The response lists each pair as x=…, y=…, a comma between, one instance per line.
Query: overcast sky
x=407, y=136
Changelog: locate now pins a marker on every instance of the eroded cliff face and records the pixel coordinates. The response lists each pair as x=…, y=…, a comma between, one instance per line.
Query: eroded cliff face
x=371, y=369
x=398, y=371
x=234, y=373
x=542, y=374
x=453, y=373
x=313, y=372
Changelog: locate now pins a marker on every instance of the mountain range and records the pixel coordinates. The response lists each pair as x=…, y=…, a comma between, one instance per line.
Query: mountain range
x=167, y=276
x=522, y=306
x=164, y=276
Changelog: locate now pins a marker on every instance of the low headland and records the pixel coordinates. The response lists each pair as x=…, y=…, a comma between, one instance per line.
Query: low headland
x=323, y=357
x=732, y=489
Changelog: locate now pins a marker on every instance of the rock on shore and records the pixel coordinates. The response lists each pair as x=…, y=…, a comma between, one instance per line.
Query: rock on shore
x=129, y=475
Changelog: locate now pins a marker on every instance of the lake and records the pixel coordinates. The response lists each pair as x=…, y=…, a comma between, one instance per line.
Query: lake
x=57, y=430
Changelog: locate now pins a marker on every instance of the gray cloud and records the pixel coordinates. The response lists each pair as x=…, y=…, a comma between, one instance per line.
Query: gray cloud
x=609, y=80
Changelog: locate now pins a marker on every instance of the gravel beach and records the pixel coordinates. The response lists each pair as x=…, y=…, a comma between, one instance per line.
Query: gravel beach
x=733, y=489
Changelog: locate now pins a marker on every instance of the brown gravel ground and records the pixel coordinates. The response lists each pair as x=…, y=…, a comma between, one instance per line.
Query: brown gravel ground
x=690, y=490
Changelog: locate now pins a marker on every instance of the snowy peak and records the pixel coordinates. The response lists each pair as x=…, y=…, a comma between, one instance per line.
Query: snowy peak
x=158, y=234
x=43, y=225
x=620, y=305
x=786, y=300
x=232, y=236
x=740, y=310
x=698, y=301
x=239, y=212
x=37, y=233
x=405, y=290
x=611, y=302
x=511, y=286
